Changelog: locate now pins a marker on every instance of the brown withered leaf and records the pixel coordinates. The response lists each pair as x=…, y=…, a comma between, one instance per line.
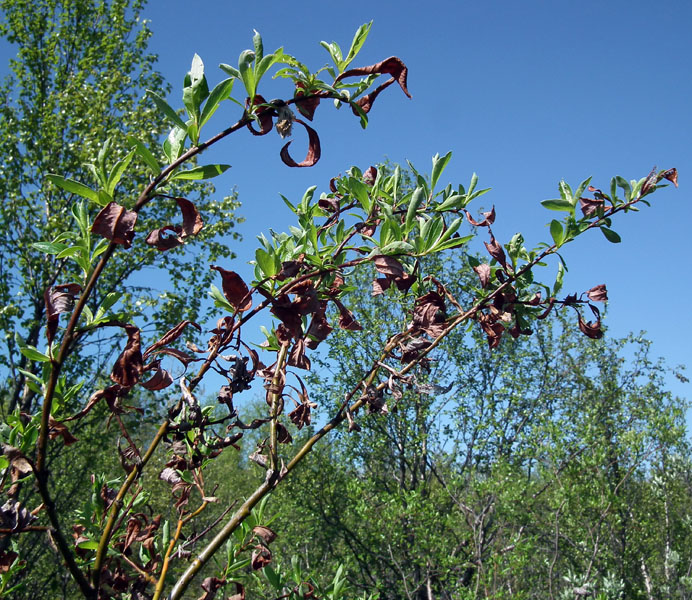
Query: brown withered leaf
x=264, y=115
x=163, y=242
x=429, y=314
x=192, y=221
x=365, y=103
x=289, y=268
x=389, y=266
x=495, y=250
x=314, y=149
x=116, y=224
x=58, y=300
x=591, y=329
x=239, y=592
x=590, y=206
x=183, y=357
x=300, y=415
x=319, y=327
x=170, y=336
x=110, y=394
x=261, y=557
x=483, y=272
x=128, y=367
x=264, y=533
x=375, y=400
x=370, y=176
x=283, y=435
x=393, y=66
x=598, y=293
x=297, y=356
x=14, y=516
x=159, y=380
x=57, y=429
x=192, y=225
x=380, y=285
x=671, y=175
x=412, y=349
x=346, y=319
x=7, y=558
x=235, y=289
x=211, y=585
x=306, y=106
x=488, y=218
x=329, y=204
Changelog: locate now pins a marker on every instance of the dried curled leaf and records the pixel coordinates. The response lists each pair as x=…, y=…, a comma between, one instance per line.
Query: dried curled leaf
x=116, y=224
x=128, y=367
x=58, y=300
x=393, y=66
x=314, y=149
x=235, y=289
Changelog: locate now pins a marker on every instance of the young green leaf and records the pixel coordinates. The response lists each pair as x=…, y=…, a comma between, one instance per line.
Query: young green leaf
x=358, y=40
x=439, y=164
x=118, y=171
x=49, y=247
x=221, y=91
x=417, y=199
x=145, y=154
x=166, y=109
x=611, y=236
x=204, y=172
x=559, y=204
x=557, y=232
x=74, y=187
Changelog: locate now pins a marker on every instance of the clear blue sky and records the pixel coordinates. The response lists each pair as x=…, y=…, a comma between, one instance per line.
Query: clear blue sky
x=523, y=93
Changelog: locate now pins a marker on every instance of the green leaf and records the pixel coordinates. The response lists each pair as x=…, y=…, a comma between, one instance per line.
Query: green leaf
x=439, y=165
x=562, y=205
x=267, y=262
x=72, y=251
x=74, y=187
x=166, y=109
x=557, y=232
x=417, y=199
x=173, y=144
x=626, y=187
x=205, y=172
x=361, y=192
x=219, y=299
x=433, y=232
x=453, y=243
x=566, y=192
x=88, y=545
x=358, y=40
x=395, y=248
x=582, y=187
x=273, y=577
x=559, y=278
x=259, y=46
x=455, y=201
x=34, y=354
x=117, y=172
x=49, y=247
x=145, y=154
x=611, y=236
x=246, y=73
x=232, y=71
x=221, y=91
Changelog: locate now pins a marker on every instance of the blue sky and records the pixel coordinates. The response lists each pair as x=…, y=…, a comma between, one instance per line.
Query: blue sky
x=523, y=93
